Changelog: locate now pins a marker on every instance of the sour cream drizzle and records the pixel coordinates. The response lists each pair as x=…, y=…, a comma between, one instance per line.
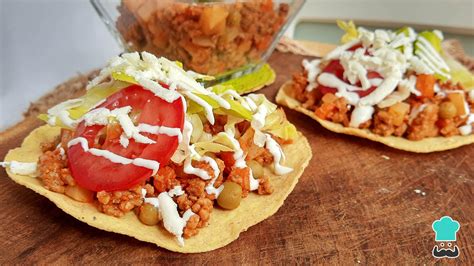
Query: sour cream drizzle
x=169, y=131
x=21, y=168
x=361, y=114
x=312, y=67
x=343, y=88
x=171, y=219
x=278, y=155
x=150, y=164
x=187, y=153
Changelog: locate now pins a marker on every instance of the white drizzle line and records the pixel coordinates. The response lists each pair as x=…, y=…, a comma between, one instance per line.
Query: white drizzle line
x=312, y=67
x=176, y=191
x=172, y=222
x=150, y=164
x=21, y=168
x=207, y=107
x=169, y=131
x=275, y=149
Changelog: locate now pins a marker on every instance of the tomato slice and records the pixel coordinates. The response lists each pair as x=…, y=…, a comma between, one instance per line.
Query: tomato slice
x=334, y=67
x=97, y=173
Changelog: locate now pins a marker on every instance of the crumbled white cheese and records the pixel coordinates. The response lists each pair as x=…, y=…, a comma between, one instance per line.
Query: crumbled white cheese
x=60, y=112
x=334, y=54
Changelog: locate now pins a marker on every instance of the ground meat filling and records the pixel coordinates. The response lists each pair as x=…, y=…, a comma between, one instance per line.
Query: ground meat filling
x=385, y=125
x=427, y=123
x=118, y=203
x=54, y=172
x=424, y=125
x=209, y=39
x=55, y=176
x=53, y=165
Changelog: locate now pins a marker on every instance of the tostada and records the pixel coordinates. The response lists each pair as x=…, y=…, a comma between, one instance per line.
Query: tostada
x=395, y=87
x=150, y=153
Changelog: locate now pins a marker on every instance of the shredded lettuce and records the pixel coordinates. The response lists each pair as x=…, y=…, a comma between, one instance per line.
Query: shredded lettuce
x=459, y=73
x=218, y=143
x=198, y=128
x=236, y=108
x=350, y=29
x=89, y=100
x=248, y=82
x=277, y=124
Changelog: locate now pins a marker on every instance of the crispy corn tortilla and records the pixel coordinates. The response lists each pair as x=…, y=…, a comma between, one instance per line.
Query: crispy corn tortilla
x=421, y=146
x=224, y=226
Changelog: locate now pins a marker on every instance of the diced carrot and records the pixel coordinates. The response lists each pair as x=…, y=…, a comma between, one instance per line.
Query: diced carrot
x=228, y=158
x=458, y=100
x=324, y=110
x=425, y=84
x=264, y=42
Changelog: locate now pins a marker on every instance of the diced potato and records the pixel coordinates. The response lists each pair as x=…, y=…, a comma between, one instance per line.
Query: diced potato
x=399, y=111
x=133, y=5
x=79, y=194
x=329, y=98
x=425, y=84
x=213, y=20
x=459, y=101
x=146, y=10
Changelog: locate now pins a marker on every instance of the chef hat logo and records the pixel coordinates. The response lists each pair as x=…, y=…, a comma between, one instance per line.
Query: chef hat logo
x=445, y=229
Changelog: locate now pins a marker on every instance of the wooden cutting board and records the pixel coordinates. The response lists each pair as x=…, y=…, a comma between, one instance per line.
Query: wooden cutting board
x=357, y=202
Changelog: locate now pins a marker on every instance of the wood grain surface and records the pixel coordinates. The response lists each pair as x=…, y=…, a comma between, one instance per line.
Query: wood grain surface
x=356, y=203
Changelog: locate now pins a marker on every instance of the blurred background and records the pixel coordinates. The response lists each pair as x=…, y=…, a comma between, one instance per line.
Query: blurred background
x=45, y=42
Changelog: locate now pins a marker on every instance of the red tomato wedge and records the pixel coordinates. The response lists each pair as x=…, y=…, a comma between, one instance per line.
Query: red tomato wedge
x=98, y=173
x=334, y=67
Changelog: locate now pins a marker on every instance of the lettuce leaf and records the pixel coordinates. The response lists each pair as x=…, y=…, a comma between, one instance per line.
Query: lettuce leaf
x=277, y=124
x=248, y=82
x=350, y=29
x=92, y=97
x=459, y=73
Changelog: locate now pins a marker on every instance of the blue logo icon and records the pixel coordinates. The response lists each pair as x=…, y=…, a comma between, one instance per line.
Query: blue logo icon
x=445, y=231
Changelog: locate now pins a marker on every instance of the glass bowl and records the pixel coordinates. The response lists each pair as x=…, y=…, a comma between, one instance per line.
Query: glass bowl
x=221, y=38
